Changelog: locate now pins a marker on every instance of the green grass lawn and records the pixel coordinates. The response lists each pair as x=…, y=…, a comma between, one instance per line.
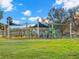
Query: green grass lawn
x=39, y=49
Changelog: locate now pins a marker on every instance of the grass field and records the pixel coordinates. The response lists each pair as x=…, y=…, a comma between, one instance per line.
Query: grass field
x=39, y=49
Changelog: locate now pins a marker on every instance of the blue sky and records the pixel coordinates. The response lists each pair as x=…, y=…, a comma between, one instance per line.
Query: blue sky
x=23, y=9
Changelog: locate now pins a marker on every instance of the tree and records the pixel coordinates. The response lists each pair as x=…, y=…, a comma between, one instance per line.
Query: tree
x=61, y=16
x=58, y=17
x=9, y=20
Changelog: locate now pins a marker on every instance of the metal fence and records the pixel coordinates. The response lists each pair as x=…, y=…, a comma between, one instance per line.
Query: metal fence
x=38, y=33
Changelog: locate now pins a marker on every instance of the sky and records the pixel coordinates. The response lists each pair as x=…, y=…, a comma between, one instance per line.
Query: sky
x=21, y=10
x=28, y=11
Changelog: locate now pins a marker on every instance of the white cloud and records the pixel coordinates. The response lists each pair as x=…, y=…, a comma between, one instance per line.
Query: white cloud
x=15, y=21
x=67, y=4
x=34, y=18
x=27, y=13
x=59, y=1
x=6, y=4
x=40, y=19
x=23, y=18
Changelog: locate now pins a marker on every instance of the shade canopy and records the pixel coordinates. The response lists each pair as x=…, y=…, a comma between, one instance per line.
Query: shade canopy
x=41, y=25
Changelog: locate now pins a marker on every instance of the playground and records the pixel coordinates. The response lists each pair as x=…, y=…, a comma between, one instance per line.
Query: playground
x=47, y=28
x=39, y=29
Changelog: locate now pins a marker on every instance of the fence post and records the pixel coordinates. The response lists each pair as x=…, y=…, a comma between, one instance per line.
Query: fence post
x=4, y=30
x=8, y=29
x=38, y=27
x=9, y=22
x=70, y=30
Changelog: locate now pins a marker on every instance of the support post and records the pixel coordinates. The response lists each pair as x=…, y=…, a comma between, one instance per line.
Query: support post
x=4, y=30
x=8, y=29
x=52, y=31
x=70, y=30
x=38, y=27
